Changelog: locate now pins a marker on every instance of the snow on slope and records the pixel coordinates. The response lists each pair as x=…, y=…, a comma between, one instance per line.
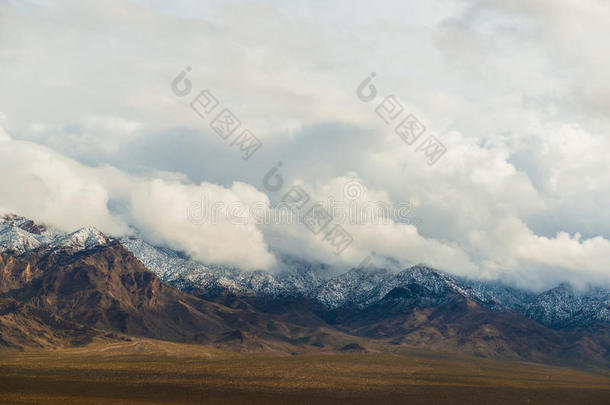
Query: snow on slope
x=19, y=235
x=559, y=307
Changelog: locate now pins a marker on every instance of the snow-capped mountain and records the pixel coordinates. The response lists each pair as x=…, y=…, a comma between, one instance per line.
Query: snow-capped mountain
x=20, y=235
x=510, y=297
x=558, y=307
x=563, y=307
x=210, y=280
x=18, y=240
x=361, y=288
x=358, y=288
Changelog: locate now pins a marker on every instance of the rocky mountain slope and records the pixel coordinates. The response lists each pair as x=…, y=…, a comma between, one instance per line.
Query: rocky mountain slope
x=65, y=289
x=558, y=307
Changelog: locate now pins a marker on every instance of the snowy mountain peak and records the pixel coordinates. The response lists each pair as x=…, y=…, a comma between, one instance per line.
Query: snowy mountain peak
x=17, y=240
x=24, y=223
x=84, y=238
x=19, y=235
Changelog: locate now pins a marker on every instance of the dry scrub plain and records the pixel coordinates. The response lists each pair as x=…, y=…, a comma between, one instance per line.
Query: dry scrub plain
x=150, y=372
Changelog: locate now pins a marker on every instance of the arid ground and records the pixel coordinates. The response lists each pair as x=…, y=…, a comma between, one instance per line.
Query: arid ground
x=151, y=372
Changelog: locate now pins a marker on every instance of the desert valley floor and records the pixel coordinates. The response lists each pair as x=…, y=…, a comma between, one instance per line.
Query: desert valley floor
x=152, y=372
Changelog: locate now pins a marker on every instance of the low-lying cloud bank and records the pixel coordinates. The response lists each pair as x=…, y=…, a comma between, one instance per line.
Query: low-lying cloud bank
x=42, y=184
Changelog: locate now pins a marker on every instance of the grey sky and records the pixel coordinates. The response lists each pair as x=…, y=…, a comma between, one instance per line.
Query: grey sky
x=517, y=91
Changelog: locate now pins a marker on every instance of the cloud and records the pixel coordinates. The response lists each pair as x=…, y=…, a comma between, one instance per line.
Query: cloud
x=4, y=136
x=169, y=213
x=519, y=108
x=374, y=222
x=41, y=184
x=46, y=186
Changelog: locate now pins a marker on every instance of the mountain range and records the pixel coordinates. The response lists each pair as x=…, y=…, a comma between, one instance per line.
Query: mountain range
x=559, y=307
x=65, y=289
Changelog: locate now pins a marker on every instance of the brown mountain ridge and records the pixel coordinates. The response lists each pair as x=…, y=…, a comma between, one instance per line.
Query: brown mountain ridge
x=60, y=298
x=50, y=298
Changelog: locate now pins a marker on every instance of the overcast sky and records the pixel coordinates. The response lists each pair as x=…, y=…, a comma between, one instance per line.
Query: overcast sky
x=518, y=92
